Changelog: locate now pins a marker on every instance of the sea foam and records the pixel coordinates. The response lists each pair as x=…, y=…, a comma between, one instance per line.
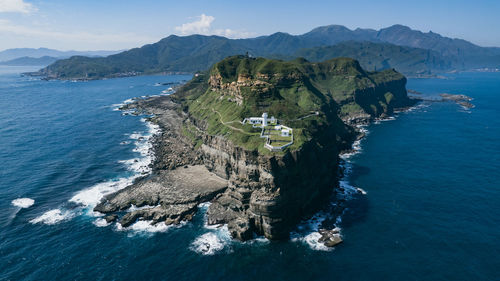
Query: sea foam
x=216, y=239
x=101, y=222
x=308, y=230
x=116, y=107
x=212, y=242
x=52, y=217
x=147, y=227
x=23, y=202
x=91, y=196
x=88, y=198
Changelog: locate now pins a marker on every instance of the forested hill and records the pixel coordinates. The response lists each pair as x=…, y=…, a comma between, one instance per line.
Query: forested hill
x=423, y=52
x=380, y=56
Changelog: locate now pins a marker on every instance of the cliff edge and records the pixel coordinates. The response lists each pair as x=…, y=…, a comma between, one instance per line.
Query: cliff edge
x=254, y=189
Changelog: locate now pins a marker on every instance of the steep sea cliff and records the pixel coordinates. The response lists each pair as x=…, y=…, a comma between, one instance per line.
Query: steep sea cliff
x=253, y=191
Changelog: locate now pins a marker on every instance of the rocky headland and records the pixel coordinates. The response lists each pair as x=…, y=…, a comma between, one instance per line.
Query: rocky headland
x=462, y=100
x=205, y=154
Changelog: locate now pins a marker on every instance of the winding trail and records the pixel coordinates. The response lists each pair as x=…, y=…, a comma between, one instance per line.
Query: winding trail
x=229, y=126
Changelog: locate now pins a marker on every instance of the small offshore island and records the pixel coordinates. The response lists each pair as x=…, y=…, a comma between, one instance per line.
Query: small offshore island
x=205, y=152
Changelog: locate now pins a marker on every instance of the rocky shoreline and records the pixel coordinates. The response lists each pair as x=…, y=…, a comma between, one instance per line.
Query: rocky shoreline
x=184, y=174
x=199, y=158
x=178, y=183
x=460, y=99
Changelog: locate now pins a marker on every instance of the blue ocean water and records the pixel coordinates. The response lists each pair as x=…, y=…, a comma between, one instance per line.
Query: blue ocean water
x=431, y=209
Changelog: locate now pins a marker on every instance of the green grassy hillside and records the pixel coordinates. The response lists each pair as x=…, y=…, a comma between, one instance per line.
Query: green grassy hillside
x=309, y=97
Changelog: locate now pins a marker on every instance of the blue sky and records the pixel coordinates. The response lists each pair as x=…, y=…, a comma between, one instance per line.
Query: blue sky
x=122, y=24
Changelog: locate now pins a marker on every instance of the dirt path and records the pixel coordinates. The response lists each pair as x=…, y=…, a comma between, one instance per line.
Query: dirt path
x=229, y=126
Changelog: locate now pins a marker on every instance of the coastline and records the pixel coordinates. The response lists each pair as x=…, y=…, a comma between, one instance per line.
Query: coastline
x=171, y=193
x=83, y=201
x=312, y=231
x=309, y=231
x=145, y=219
x=46, y=77
x=408, y=217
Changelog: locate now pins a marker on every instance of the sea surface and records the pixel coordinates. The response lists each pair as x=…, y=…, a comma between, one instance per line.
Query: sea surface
x=430, y=178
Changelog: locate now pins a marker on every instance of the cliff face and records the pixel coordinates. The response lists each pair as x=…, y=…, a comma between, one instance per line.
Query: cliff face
x=382, y=99
x=268, y=193
x=206, y=153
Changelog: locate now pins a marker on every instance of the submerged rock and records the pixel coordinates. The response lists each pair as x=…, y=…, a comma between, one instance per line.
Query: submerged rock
x=330, y=238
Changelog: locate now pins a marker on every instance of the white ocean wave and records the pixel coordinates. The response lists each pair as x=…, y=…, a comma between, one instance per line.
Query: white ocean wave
x=390, y=118
x=420, y=105
x=207, y=244
x=23, y=202
x=101, y=222
x=139, y=165
x=360, y=190
x=212, y=242
x=147, y=227
x=136, y=136
x=221, y=231
x=90, y=197
x=117, y=106
x=258, y=240
x=143, y=146
x=308, y=231
x=53, y=216
x=312, y=239
x=215, y=240
x=356, y=145
x=347, y=190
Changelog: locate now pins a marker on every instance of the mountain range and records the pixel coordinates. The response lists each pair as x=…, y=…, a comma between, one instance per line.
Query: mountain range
x=409, y=51
x=30, y=61
x=43, y=56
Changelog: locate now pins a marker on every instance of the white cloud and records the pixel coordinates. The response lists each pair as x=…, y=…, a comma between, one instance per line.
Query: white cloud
x=16, y=6
x=230, y=33
x=86, y=38
x=203, y=26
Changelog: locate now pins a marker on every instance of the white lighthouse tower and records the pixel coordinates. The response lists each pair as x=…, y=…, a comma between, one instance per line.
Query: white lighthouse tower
x=264, y=119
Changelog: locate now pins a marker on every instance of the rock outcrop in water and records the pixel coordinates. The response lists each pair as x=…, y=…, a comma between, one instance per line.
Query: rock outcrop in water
x=462, y=100
x=206, y=154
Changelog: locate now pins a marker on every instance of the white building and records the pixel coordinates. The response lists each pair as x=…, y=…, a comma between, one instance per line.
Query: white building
x=285, y=131
x=253, y=120
x=264, y=120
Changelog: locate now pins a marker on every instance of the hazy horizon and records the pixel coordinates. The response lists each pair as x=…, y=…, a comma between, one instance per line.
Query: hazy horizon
x=124, y=49
x=116, y=25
